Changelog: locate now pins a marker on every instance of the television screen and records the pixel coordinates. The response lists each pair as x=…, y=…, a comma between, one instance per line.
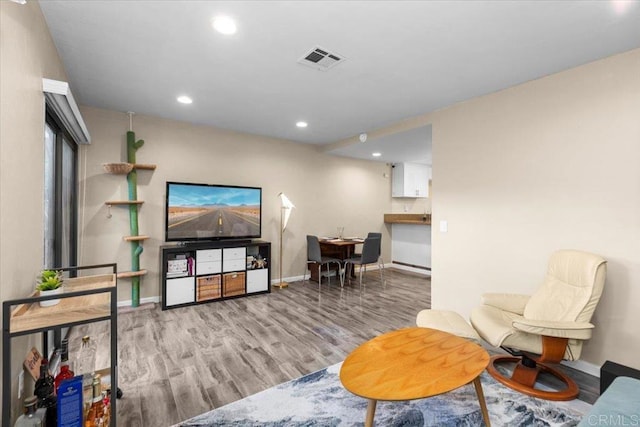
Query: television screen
x=212, y=212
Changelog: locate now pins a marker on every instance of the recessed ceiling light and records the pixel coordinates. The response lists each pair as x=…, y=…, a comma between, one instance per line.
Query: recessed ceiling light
x=224, y=25
x=376, y=154
x=621, y=6
x=302, y=124
x=184, y=99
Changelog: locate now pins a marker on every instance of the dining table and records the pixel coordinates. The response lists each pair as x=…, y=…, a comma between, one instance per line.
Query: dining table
x=336, y=247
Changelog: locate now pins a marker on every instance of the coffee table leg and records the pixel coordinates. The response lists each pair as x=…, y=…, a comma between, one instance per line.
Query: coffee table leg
x=483, y=405
x=371, y=410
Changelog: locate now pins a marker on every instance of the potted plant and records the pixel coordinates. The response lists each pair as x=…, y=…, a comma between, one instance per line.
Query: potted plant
x=49, y=283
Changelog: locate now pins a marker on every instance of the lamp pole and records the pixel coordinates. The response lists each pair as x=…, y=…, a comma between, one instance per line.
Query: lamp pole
x=282, y=284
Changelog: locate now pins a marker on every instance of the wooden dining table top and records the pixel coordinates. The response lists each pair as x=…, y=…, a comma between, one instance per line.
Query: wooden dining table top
x=342, y=242
x=412, y=363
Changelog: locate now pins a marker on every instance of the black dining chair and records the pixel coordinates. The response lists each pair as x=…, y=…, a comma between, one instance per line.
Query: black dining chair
x=314, y=256
x=378, y=235
x=370, y=255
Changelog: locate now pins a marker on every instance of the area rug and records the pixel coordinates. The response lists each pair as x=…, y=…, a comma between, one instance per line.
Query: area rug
x=319, y=399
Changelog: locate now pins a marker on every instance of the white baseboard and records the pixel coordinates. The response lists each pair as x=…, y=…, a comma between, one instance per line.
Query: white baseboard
x=286, y=279
x=581, y=365
x=411, y=269
x=127, y=303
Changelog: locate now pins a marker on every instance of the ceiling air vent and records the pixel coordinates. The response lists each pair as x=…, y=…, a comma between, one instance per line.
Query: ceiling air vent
x=321, y=59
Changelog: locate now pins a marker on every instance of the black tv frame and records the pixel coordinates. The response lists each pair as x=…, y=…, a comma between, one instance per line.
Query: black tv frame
x=195, y=239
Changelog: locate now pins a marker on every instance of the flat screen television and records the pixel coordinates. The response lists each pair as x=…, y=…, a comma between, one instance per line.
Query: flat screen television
x=212, y=212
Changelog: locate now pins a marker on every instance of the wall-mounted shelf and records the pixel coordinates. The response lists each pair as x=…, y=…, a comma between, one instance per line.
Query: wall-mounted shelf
x=127, y=274
x=407, y=218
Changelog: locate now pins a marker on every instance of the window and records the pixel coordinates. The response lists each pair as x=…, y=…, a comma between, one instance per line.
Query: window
x=60, y=195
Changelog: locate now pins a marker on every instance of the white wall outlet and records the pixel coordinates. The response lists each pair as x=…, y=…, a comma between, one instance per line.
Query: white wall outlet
x=20, y=384
x=444, y=226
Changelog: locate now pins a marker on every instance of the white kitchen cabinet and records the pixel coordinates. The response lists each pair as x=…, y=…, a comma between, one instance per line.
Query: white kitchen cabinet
x=410, y=180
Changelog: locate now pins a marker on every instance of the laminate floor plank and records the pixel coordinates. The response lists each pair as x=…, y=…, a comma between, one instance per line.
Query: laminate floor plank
x=179, y=363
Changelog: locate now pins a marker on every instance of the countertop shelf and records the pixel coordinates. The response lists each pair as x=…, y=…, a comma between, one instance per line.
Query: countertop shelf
x=407, y=218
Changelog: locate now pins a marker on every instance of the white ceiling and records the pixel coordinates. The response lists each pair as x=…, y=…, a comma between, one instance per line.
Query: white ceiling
x=403, y=58
x=410, y=146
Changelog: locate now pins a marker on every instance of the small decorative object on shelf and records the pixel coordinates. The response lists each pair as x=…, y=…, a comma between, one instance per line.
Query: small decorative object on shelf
x=49, y=283
x=118, y=168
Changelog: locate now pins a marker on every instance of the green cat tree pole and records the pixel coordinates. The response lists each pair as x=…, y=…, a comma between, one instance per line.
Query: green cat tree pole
x=136, y=247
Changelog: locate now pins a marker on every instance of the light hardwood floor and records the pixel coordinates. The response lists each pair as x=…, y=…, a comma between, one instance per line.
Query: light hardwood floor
x=179, y=363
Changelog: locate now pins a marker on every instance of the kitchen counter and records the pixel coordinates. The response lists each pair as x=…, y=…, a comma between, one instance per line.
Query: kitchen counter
x=407, y=218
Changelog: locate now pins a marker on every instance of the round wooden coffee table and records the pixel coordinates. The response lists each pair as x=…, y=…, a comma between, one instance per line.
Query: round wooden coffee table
x=413, y=363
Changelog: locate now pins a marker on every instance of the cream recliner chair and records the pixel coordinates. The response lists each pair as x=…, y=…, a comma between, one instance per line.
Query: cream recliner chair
x=553, y=322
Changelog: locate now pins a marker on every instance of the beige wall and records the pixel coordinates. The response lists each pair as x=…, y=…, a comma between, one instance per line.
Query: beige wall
x=549, y=164
x=327, y=191
x=27, y=54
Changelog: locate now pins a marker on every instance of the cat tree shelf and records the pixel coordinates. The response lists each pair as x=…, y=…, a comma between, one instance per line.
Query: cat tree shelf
x=124, y=202
x=134, y=238
x=142, y=166
x=125, y=168
x=127, y=274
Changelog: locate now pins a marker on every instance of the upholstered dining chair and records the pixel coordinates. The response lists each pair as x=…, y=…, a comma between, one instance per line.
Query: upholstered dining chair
x=554, y=322
x=370, y=255
x=314, y=256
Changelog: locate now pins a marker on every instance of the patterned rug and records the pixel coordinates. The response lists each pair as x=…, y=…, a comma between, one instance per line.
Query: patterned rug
x=319, y=399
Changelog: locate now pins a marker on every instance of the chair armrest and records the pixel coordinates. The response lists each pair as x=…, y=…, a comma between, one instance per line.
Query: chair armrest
x=513, y=303
x=551, y=328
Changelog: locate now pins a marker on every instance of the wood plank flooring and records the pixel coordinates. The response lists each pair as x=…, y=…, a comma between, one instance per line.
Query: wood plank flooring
x=179, y=363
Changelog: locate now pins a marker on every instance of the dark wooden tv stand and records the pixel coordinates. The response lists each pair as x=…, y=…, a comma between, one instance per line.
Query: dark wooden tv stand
x=202, y=272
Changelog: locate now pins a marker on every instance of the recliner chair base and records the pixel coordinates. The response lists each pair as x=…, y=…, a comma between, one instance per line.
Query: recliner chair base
x=524, y=378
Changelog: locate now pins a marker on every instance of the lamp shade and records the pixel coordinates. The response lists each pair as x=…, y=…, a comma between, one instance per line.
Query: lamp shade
x=286, y=207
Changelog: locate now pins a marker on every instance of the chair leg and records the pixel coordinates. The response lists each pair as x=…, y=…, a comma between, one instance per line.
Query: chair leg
x=319, y=277
x=347, y=271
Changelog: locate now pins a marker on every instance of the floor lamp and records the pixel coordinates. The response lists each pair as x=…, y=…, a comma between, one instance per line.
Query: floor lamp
x=285, y=211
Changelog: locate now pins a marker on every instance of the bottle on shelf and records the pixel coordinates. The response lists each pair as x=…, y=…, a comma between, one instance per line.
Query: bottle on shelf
x=106, y=404
x=86, y=359
x=85, y=366
x=30, y=418
x=65, y=369
x=95, y=417
x=46, y=394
